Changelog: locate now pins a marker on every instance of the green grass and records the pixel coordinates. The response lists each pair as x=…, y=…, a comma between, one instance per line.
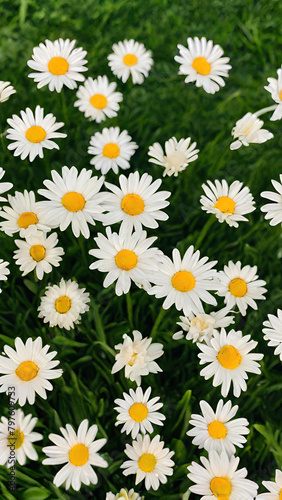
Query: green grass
x=250, y=33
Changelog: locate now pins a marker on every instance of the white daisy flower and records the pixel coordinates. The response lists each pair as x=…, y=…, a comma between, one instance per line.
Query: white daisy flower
x=130, y=58
x=249, y=130
x=219, y=479
x=18, y=437
x=79, y=452
x=240, y=286
x=124, y=494
x=58, y=63
x=38, y=252
x=273, y=332
x=112, y=149
x=4, y=186
x=203, y=64
x=184, y=282
x=200, y=327
x=29, y=369
x=218, y=430
x=275, y=488
x=176, y=157
x=97, y=99
x=275, y=88
x=137, y=357
x=273, y=210
x=33, y=132
x=24, y=215
x=6, y=90
x=228, y=203
x=125, y=257
x=229, y=359
x=4, y=271
x=63, y=304
x=137, y=412
x=74, y=199
x=149, y=460
x=136, y=203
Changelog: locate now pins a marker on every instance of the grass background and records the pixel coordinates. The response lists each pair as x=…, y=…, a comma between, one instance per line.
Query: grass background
x=250, y=33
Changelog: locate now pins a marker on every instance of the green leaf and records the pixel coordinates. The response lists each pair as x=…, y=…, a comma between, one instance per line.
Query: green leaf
x=35, y=494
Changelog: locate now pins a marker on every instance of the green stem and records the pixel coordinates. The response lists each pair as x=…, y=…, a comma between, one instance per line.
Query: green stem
x=157, y=323
x=266, y=110
x=129, y=309
x=64, y=107
x=35, y=276
x=204, y=231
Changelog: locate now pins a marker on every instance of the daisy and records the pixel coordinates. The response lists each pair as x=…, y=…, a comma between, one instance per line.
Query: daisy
x=149, y=460
x=248, y=130
x=38, y=252
x=200, y=327
x=136, y=203
x=273, y=332
x=275, y=488
x=33, y=132
x=273, y=210
x=240, y=286
x=124, y=494
x=137, y=357
x=229, y=359
x=275, y=89
x=203, y=64
x=97, y=99
x=4, y=186
x=6, y=90
x=177, y=155
x=137, y=412
x=219, y=479
x=228, y=203
x=58, y=63
x=29, y=369
x=73, y=198
x=79, y=452
x=111, y=149
x=4, y=271
x=130, y=58
x=23, y=216
x=125, y=257
x=18, y=440
x=184, y=282
x=63, y=304
x=218, y=430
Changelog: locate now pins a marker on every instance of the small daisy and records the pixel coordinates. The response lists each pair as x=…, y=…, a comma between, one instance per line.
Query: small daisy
x=240, y=286
x=97, y=99
x=125, y=257
x=130, y=58
x=24, y=215
x=38, y=252
x=184, y=282
x=4, y=186
x=29, y=369
x=219, y=479
x=6, y=90
x=33, y=132
x=275, y=488
x=4, y=271
x=248, y=130
x=57, y=63
x=228, y=203
x=273, y=210
x=137, y=412
x=112, y=149
x=203, y=64
x=79, y=452
x=229, y=359
x=149, y=460
x=218, y=430
x=137, y=203
x=177, y=155
x=273, y=332
x=124, y=494
x=74, y=199
x=275, y=88
x=200, y=327
x=20, y=439
x=137, y=357
x=63, y=304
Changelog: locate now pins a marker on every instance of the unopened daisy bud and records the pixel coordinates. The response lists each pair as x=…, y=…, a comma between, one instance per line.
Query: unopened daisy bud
x=6, y=90
x=249, y=130
x=176, y=157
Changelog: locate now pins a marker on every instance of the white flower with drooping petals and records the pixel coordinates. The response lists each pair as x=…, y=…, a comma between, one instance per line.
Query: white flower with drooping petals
x=130, y=58
x=273, y=332
x=275, y=88
x=249, y=130
x=124, y=494
x=4, y=186
x=6, y=90
x=97, y=99
x=4, y=271
x=273, y=210
x=200, y=327
x=177, y=155
x=275, y=488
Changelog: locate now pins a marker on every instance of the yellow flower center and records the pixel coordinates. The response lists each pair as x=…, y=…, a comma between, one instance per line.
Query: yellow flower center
x=217, y=430
x=98, y=101
x=229, y=357
x=74, y=202
x=35, y=134
x=280, y=496
x=183, y=281
x=132, y=360
x=111, y=150
x=27, y=371
x=16, y=439
x=63, y=304
x=201, y=65
x=280, y=97
x=221, y=487
x=138, y=412
x=126, y=259
x=27, y=219
x=226, y=205
x=37, y=252
x=58, y=66
x=130, y=59
x=132, y=204
x=147, y=462
x=78, y=455
x=238, y=287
